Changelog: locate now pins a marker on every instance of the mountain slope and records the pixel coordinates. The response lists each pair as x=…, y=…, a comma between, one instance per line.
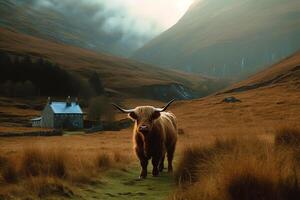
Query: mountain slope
x=262, y=109
x=122, y=75
x=285, y=72
x=228, y=38
x=77, y=23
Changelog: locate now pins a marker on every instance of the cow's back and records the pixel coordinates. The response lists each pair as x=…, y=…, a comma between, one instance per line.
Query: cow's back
x=169, y=123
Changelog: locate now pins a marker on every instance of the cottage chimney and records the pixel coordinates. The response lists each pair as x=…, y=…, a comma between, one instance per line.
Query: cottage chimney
x=49, y=101
x=68, y=101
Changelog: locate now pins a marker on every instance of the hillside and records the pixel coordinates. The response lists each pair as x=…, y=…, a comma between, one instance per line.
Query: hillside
x=268, y=100
x=120, y=75
x=259, y=114
x=285, y=72
x=49, y=20
x=228, y=38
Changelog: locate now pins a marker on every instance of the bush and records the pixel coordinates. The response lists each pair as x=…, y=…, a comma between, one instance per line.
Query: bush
x=96, y=83
x=288, y=137
x=100, y=109
x=104, y=161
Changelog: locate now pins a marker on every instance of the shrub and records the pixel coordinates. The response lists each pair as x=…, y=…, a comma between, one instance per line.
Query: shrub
x=100, y=109
x=288, y=137
x=96, y=83
x=104, y=161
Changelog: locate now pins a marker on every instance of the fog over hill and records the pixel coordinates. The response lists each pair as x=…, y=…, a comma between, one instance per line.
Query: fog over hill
x=113, y=26
x=228, y=38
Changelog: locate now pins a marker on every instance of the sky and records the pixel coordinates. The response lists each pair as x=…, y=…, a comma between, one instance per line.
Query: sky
x=135, y=22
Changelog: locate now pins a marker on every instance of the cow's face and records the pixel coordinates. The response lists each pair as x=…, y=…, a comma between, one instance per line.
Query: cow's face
x=144, y=117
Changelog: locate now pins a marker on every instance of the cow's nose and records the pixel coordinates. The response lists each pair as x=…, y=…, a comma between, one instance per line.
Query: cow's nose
x=143, y=128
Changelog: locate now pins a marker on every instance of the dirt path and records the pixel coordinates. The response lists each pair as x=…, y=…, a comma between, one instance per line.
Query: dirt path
x=124, y=184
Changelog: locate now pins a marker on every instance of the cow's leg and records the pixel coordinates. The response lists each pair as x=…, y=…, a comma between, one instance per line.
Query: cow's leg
x=143, y=161
x=144, y=164
x=161, y=163
x=155, y=162
x=170, y=155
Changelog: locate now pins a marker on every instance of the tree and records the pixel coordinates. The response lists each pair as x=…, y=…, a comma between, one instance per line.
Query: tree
x=7, y=88
x=29, y=88
x=96, y=83
x=100, y=109
x=18, y=89
x=85, y=90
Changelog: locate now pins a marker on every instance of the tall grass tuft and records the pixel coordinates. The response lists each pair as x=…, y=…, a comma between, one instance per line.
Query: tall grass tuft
x=8, y=171
x=104, y=161
x=288, y=137
x=43, y=172
x=49, y=186
x=35, y=162
x=237, y=169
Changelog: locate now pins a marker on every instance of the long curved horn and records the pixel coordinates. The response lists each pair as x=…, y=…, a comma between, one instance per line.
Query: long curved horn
x=122, y=109
x=165, y=107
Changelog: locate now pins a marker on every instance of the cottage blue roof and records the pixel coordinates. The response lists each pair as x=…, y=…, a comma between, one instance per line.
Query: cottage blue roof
x=62, y=108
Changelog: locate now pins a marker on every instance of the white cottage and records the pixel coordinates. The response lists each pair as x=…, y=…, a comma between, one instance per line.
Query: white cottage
x=60, y=115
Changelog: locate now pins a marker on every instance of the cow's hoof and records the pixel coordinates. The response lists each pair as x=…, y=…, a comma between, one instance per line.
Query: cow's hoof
x=161, y=168
x=155, y=173
x=143, y=175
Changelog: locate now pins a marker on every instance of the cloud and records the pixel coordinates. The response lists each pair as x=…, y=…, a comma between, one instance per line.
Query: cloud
x=126, y=24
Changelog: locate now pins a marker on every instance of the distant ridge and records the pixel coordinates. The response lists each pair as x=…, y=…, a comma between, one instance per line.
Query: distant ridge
x=120, y=75
x=228, y=38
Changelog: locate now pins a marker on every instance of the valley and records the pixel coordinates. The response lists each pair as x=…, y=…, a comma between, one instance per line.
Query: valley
x=232, y=67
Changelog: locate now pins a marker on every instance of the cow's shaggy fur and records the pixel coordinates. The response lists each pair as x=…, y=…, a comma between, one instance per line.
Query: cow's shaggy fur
x=159, y=139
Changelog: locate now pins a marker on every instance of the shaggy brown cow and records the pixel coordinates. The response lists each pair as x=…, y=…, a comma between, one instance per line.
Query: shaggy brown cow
x=154, y=135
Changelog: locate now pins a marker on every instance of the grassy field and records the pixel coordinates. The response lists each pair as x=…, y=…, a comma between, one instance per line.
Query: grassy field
x=125, y=185
x=103, y=165
x=241, y=168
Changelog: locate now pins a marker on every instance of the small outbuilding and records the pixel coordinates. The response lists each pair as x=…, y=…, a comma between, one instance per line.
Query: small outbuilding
x=66, y=114
x=36, y=122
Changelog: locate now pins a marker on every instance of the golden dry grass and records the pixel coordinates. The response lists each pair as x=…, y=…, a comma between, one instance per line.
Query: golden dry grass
x=288, y=137
x=116, y=72
x=259, y=115
x=49, y=171
x=241, y=168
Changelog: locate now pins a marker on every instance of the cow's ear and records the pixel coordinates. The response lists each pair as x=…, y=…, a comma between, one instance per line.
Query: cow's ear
x=155, y=115
x=133, y=116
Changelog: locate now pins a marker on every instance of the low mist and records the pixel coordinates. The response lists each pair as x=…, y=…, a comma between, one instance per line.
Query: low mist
x=114, y=26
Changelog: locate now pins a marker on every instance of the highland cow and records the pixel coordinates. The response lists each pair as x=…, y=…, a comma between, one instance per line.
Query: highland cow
x=154, y=136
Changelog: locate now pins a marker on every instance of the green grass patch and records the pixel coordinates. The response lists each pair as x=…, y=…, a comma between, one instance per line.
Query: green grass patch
x=124, y=184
